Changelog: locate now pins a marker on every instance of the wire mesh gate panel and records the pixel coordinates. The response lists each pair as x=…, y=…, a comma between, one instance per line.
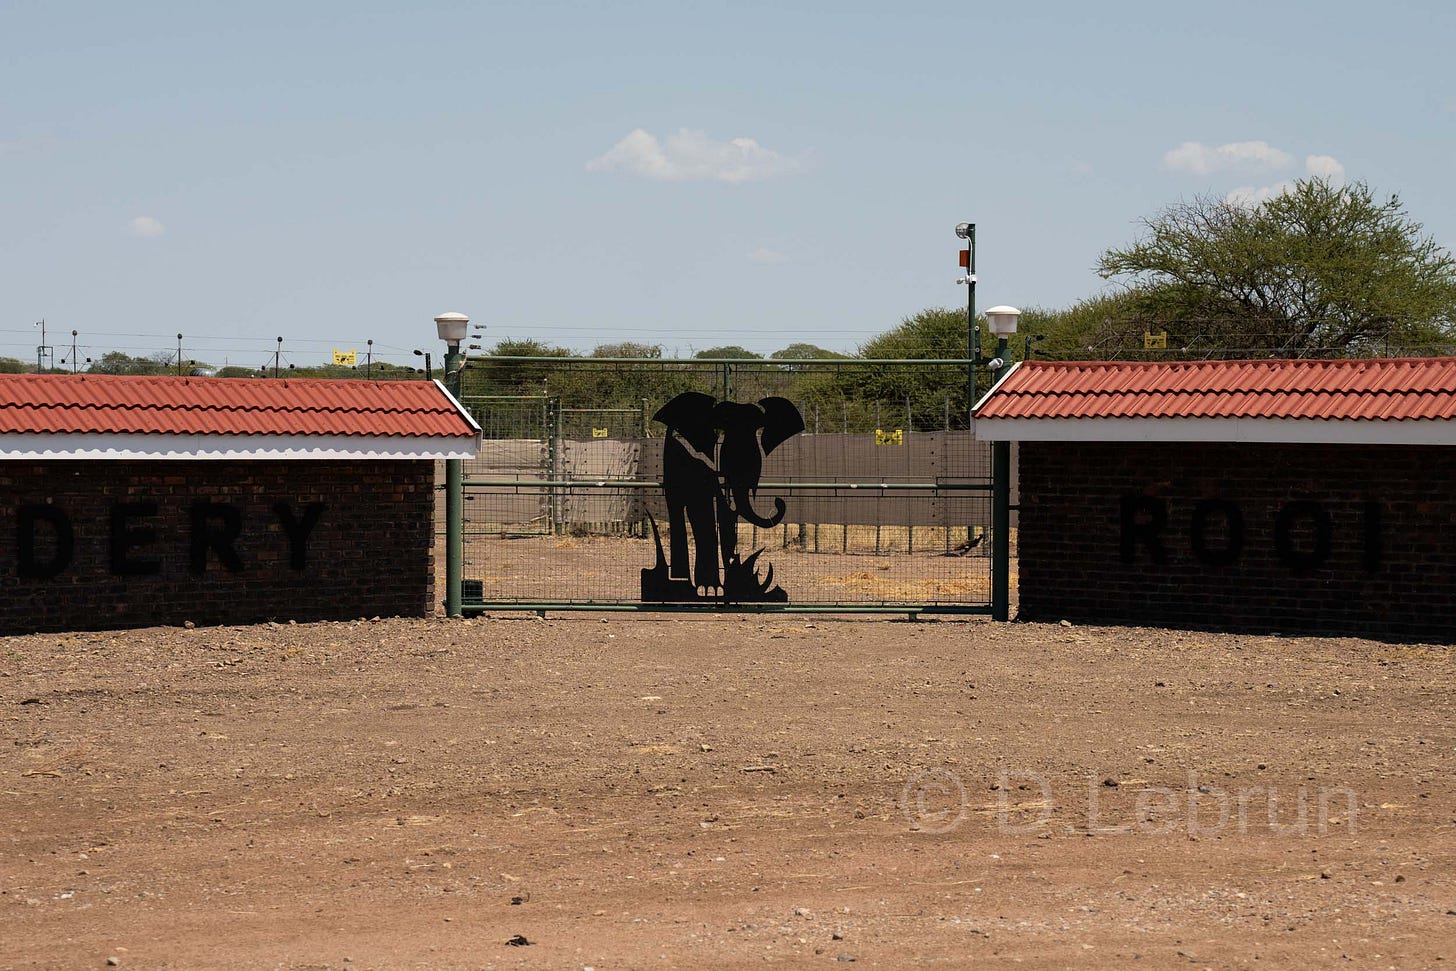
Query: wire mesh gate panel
x=872, y=495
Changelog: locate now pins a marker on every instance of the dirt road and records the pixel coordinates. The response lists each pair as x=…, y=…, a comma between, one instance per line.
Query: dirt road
x=629, y=793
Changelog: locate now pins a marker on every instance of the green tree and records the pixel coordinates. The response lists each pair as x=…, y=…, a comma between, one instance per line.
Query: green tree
x=1105, y=327
x=937, y=332
x=628, y=349
x=515, y=347
x=806, y=352
x=726, y=352
x=859, y=393
x=119, y=362
x=1317, y=270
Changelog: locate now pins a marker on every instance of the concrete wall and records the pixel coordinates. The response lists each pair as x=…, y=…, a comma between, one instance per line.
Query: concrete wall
x=1330, y=539
x=92, y=544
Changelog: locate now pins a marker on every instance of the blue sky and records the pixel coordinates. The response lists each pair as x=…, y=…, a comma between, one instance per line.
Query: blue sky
x=690, y=174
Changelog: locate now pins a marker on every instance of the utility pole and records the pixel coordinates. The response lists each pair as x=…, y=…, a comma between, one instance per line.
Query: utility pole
x=967, y=232
x=44, y=350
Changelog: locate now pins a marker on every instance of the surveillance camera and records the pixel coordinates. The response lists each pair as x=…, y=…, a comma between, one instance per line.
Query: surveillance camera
x=995, y=364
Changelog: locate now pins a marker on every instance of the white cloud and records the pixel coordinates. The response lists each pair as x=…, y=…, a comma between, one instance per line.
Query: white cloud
x=1201, y=159
x=146, y=227
x=766, y=256
x=1325, y=167
x=691, y=156
x=1249, y=196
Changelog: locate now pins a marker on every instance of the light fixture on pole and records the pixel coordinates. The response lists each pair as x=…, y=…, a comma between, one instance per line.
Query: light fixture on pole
x=453, y=328
x=1001, y=321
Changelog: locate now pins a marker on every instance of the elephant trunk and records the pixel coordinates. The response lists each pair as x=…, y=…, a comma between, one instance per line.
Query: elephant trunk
x=743, y=506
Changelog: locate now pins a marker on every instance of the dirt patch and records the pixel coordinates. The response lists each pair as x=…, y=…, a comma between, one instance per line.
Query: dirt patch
x=659, y=792
x=546, y=569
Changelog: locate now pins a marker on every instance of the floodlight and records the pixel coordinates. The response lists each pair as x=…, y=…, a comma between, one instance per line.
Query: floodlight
x=1002, y=320
x=452, y=327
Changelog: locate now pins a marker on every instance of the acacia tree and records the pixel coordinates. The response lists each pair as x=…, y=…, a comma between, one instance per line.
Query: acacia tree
x=119, y=362
x=1320, y=269
x=628, y=349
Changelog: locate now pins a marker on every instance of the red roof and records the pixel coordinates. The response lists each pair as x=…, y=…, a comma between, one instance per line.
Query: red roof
x=113, y=405
x=1347, y=390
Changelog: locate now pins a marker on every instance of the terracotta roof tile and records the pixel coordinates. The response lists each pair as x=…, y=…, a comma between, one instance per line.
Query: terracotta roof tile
x=1344, y=390
x=110, y=404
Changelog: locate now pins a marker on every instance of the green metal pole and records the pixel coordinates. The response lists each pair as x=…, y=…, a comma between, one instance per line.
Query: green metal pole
x=1001, y=517
x=454, y=496
x=973, y=340
x=973, y=353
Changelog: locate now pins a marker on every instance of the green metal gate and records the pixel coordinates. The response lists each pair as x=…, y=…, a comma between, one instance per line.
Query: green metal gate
x=885, y=496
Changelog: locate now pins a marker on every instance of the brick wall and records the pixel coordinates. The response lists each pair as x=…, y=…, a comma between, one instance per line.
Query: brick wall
x=96, y=544
x=1333, y=539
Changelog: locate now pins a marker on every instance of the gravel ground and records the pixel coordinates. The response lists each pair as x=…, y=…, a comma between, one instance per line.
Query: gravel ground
x=733, y=792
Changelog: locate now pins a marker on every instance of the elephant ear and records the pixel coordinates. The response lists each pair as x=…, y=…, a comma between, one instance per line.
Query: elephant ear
x=781, y=422
x=690, y=414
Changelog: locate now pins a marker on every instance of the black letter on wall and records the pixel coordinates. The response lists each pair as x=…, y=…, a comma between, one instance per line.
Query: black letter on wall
x=1133, y=532
x=1302, y=561
x=219, y=538
x=1233, y=526
x=125, y=538
x=65, y=541
x=298, y=530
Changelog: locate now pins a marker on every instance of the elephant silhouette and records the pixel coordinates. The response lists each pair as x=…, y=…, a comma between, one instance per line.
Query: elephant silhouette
x=712, y=460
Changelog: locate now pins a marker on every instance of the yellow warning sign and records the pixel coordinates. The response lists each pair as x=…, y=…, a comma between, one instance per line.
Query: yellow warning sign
x=599, y=433
x=1155, y=342
x=346, y=358
x=896, y=437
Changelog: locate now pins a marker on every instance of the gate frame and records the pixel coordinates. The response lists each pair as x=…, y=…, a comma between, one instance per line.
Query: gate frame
x=999, y=486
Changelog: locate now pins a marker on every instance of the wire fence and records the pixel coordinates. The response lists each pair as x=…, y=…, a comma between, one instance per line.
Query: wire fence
x=881, y=501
